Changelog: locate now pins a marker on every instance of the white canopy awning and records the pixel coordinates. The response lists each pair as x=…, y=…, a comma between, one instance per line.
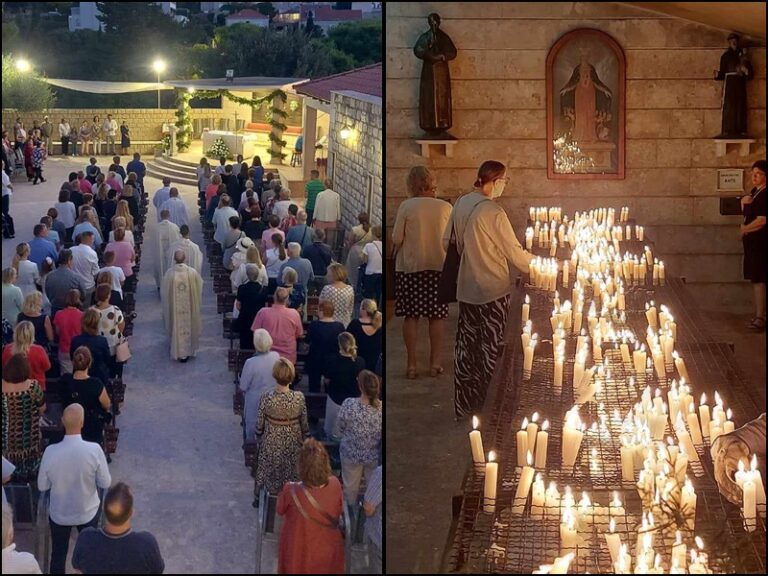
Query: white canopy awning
x=97, y=87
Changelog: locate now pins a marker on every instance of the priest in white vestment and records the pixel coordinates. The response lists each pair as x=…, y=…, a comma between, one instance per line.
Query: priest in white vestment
x=167, y=233
x=181, y=295
x=193, y=254
x=176, y=209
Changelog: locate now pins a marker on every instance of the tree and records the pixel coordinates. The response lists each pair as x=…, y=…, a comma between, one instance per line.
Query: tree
x=267, y=9
x=24, y=92
x=128, y=18
x=361, y=40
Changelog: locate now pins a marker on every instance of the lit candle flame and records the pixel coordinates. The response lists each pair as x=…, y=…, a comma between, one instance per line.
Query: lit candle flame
x=545, y=425
x=703, y=399
x=492, y=456
x=535, y=417
x=475, y=422
x=525, y=423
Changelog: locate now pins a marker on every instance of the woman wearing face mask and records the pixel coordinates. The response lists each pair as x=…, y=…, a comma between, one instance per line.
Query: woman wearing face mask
x=489, y=250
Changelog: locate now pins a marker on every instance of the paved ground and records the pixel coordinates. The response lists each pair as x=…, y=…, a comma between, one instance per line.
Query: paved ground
x=180, y=444
x=429, y=453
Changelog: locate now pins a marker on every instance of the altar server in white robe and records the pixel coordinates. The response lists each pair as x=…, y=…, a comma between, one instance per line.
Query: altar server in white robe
x=193, y=254
x=181, y=295
x=167, y=233
x=176, y=208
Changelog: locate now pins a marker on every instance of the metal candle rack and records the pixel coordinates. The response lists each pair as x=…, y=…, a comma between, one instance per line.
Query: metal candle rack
x=505, y=543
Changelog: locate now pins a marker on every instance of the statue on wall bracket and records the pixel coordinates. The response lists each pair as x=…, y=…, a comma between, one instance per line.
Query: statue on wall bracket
x=436, y=49
x=735, y=70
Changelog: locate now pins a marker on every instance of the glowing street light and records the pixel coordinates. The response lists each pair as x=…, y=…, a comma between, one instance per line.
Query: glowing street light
x=345, y=132
x=23, y=65
x=158, y=66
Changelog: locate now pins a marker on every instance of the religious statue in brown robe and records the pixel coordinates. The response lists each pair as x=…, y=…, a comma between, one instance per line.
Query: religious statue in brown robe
x=586, y=101
x=735, y=70
x=435, y=48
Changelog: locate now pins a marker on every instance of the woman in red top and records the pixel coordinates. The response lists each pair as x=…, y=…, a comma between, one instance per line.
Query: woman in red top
x=67, y=324
x=311, y=541
x=125, y=256
x=212, y=189
x=23, y=343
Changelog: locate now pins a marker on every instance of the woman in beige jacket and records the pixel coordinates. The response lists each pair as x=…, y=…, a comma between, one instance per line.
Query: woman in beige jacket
x=417, y=235
x=490, y=252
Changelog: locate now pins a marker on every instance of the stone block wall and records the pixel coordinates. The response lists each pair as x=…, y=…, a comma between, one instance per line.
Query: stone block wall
x=499, y=112
x=145, y=123
x=357, y=161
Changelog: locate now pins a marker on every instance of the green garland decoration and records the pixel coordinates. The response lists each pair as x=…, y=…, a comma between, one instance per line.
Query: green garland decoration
x=278, y=114
x=183, y=120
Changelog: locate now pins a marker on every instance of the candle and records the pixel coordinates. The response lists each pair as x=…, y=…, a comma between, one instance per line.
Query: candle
x=476, y=442
x=538, y=499
x=656, y=272
x=616, y=509
x=529, y=238
x=624, y=564
x=491, y=474
x=614, y=542
x=749, y=505
x=681, y=369
x=558, y=376
x=704, y=414
x=693, y=426
x=526, y=309
x=681, y=466
x=542, y=441
x=523, y=487
x=528, y=357
x=532, y=428
x=650, y=314
x=639, y=357
x=640, y=232
x=662, y=273
x=685, y=440
x=728, y=425
x=568, y=536
x=627, y=462
x=679, y=551
x=565, y=274
x=622, y=304
x=552, y=501
x=688, y=504
x=757, y=478
x=572, y=437
x=553, y=247
x=522, y=443
x=624, y=348
x=715, y=430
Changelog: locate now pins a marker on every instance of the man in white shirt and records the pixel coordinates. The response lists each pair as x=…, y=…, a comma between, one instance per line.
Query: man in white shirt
x=65, y=131
x=72, y=470
x=15, y=562
x=373, y=257
x=162, y=195
x=8, y=231
x=176, y=208
x=109, y=130
x=85, y=263
x=327, y=212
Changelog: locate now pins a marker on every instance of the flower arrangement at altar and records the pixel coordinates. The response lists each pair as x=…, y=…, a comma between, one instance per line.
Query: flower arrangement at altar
x=219, y=149
x=165, y=143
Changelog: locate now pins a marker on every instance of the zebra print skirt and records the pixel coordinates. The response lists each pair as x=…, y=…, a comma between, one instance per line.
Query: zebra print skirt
x=478, y=341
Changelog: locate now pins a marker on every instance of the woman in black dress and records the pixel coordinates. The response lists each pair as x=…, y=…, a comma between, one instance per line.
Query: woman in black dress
x=251, y=297
x=367, y=332
x=754, y=237
x=341, y=379
x=125, y=137
x=97, y=345
x=323, y=339
x=82, y=388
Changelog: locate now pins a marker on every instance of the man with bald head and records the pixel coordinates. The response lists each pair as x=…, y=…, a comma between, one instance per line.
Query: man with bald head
x=72, y=470
x=181, y=293
x=116, y=548
x=167, y=233
x=177, y=211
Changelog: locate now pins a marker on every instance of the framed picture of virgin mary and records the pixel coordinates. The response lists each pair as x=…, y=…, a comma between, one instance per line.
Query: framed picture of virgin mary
x=586, y=73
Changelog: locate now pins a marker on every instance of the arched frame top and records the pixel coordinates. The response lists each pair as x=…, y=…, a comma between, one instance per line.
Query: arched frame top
x=620, y=99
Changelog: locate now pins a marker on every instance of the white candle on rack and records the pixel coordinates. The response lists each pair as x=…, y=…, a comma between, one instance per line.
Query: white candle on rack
x=624, y=564
x=528, y=357
x=558, y=376
x=572, y=436
x=679, y=551
x=538, y=498
x=624, y=348
x=552, y=503
x=685, y=439
x=650, y=314
x=565, y=274
x=627, y=461
x=568, y=536
x=616, y=509
x=542, y=442
x=688, y=504
x=728, y=425
x=526, y=309
x=523, y=487
x=693, y=426
x=532, y=428
x=681, y=465
x=522, y=443
x=662, y=273
x=529, y=238
x=749, y=507
x=621, y=304
x=640, y=232
x=757, y=478
x=476, y=442
x=680, y=365
x=704, y=415
x=491, y=475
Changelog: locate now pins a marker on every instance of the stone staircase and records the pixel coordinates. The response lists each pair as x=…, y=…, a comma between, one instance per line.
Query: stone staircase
x=179, y=171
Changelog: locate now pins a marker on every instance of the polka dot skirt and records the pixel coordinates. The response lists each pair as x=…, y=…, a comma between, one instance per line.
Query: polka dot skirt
x=416, y=295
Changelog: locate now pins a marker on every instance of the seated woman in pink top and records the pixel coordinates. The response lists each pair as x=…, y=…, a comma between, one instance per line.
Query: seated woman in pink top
x=283, y=324
x=125, y=256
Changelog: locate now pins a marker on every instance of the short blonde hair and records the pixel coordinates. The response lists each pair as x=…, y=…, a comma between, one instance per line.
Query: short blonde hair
x=283, y=372
x=33, y=303
x=9, y=275
x=262, y=341
x=337, y=272
x=290, y=276
x=419, y=179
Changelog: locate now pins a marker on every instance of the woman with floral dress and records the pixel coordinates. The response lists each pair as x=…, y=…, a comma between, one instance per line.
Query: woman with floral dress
x=281, y=427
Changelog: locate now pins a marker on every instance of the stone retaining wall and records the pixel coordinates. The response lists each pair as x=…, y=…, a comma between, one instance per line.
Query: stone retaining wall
x=499, y=112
